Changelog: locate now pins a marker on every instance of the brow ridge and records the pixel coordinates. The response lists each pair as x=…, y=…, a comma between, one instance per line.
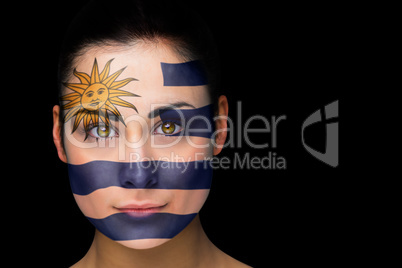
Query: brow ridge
x=156, y=112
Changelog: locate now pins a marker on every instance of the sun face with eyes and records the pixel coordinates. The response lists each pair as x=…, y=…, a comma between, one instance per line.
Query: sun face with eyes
x=95, y=96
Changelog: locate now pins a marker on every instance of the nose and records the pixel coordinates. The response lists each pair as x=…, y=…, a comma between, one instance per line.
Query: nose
x=137, y=175
x=136, y=131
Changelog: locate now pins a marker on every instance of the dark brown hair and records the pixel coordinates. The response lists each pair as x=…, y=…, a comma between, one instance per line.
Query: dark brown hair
x=126, y=22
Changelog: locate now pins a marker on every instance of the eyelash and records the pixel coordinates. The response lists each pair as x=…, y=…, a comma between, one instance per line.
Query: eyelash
x=177, y=124
x=92, y=132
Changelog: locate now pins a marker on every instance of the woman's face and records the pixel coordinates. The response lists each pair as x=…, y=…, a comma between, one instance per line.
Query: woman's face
x=137, y=142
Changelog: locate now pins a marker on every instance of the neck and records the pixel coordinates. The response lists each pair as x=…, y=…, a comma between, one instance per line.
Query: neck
x=190, y=248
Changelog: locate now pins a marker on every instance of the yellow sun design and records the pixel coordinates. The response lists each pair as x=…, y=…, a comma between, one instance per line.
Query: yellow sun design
x=95, y=96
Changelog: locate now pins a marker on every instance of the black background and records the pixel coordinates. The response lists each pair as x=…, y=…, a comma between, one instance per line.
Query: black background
x=276, y=60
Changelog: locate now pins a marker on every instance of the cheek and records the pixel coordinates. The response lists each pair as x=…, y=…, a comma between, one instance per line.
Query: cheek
x=98, y=204
x=188, y=201
x=80, y=151
x=182, y=149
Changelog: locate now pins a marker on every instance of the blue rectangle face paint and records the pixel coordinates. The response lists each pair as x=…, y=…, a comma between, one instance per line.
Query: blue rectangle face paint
x=190, y=73
x=198, y=122
x=102, y=180
x=121, y=226
x=94, y=175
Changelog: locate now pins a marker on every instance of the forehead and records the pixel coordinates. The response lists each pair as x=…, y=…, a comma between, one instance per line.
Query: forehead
x=143, y=62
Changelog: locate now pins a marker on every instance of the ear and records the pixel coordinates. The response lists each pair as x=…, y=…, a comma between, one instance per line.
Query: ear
x=221, y=124
x=57, y=134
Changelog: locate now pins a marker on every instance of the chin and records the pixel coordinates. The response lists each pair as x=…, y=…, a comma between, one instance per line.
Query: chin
x=143, y=243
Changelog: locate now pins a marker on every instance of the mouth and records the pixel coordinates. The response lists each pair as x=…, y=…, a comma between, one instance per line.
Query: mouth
x=141, y=210
x=94, y=103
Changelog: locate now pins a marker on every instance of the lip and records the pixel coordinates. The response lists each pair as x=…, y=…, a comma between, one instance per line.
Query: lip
x=141, y=210
x=94, y=103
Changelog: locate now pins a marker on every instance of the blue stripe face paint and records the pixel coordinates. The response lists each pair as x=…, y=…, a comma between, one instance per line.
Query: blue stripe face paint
x=89, y=177
x=121, y=226
x=97, y=182
x=191, y=73
x=198, y=122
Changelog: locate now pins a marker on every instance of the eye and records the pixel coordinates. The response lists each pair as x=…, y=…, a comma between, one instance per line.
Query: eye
x=89, y=94
x=103, y=132
x=168, y=128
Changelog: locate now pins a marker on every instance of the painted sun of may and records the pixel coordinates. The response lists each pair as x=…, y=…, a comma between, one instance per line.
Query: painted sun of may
x=95, y=96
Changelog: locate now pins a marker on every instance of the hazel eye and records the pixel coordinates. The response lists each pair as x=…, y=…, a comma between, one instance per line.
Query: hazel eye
x=168, y=128
x=103, y=132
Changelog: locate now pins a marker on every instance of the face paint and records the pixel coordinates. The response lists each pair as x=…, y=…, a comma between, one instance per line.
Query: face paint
x=139, y=204
x=198, y=122
x=94, y=175
x=191, y=73
x=95, y=96
x=122, y=226
x=190, y=181
x=110, y=196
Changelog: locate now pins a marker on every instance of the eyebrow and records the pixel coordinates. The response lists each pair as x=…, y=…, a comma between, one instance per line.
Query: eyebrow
x=156, y=112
